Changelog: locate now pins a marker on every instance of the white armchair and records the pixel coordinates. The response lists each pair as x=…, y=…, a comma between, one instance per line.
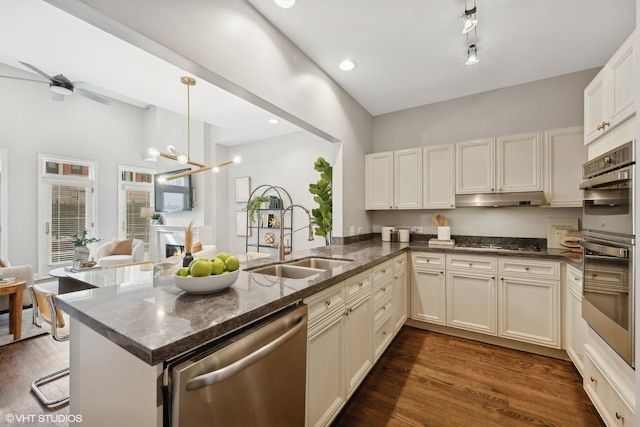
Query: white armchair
x=118, y=252
x=208, y=251
x=20, y=272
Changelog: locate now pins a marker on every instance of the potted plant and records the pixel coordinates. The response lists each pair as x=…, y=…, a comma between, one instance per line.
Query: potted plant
x=80, y=242
x=155, y=218
x=253, y=206
x=323, y=196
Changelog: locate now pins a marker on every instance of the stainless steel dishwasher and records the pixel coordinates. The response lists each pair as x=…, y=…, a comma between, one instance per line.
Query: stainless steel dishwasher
x=254, y=378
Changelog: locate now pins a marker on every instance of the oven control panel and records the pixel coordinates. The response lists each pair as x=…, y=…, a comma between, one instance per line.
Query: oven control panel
x=614, y=159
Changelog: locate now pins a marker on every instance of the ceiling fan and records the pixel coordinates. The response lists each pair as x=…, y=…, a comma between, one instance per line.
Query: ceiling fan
x=62, y=86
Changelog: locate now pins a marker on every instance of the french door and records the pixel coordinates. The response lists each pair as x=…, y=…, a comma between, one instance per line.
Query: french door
x=135, y=203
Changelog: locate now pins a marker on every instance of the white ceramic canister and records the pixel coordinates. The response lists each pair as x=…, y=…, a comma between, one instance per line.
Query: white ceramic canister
x=386, y=233
x=403, y=235
x=444, y=233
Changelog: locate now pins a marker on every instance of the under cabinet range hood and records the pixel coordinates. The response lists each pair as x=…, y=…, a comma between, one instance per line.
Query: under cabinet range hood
x=496, y=200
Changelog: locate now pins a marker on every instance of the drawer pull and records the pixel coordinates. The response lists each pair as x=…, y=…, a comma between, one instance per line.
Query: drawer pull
x=577, y=279
x=620, y=417
x=384, y=289
x=384, y=333
x=360, y=284
x=526, y=269
x=384, y=307
x=327, y=303
x=384, y=271
x=593, y=380
x=442, y=272
x=428, y=260
x=470, y=264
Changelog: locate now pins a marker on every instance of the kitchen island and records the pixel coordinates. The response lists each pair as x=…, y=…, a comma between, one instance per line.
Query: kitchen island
x=137, y=323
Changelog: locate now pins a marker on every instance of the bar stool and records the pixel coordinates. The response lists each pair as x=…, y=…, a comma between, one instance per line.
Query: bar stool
x=47, y=316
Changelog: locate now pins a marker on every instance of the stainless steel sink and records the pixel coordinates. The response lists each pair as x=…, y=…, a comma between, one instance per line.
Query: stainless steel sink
x=321, y=263
x=287, y=271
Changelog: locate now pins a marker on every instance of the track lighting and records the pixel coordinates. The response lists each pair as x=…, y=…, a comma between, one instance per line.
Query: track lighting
x=470, y=20
x=183, y=159
x=472, y=55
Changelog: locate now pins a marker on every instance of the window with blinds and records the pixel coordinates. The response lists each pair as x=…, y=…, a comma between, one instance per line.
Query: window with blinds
x=137, y=209
x=68, y=218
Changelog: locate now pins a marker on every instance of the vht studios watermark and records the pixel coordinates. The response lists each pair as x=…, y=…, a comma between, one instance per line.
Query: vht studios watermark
x=43, y=418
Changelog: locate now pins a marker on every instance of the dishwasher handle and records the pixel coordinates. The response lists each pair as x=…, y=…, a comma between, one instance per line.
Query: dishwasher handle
x=218, y=375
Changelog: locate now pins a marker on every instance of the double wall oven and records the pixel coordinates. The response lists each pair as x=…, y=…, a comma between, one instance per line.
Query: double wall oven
x=608, y=248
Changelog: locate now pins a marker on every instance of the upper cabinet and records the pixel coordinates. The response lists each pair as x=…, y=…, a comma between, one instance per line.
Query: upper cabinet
x=393, y=180
x=564, y=155
x=505, y=164
x=438, y=176
x=609, y=98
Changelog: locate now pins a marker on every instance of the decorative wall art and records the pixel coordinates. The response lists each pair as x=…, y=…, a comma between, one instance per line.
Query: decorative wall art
x=243, y=189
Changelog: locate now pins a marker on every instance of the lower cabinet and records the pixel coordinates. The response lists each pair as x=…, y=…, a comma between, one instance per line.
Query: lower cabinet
x=400, y=291
x=428, y=291
x=575, y=326
x=350, y=325
x=514, y=298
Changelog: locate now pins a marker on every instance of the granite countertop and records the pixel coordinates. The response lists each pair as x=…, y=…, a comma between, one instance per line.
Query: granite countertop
x=156, y=321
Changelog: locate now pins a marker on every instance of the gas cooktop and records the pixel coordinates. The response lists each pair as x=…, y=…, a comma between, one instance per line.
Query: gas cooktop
x=497, y=247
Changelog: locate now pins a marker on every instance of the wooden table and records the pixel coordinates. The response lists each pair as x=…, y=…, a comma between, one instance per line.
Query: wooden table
x=14, y=290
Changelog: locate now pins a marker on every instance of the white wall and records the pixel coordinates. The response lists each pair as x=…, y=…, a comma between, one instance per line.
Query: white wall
x=32, y=123
x=545, y=104
x=286, y=162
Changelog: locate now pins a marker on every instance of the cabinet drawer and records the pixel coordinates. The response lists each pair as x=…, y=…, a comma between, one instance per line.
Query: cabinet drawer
x=358, y=285
x=400, y=264
x=526, y=267
x=574, y=281
x=325, y=302
x=471, y=263
x=381, y=293
x=427, y=260
x=382, y=336
x=382, y=272
x=382, y=312
x=611, y=406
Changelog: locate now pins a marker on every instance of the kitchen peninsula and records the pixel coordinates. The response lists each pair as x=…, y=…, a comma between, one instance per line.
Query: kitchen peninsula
x=139, y=322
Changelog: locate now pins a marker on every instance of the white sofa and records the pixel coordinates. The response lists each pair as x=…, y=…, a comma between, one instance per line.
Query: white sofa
x=20, y=272
x=105, y=259
x=208, y=251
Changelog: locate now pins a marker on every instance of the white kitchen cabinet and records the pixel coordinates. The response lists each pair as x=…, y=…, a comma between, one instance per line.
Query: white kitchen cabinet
x=564, y=155
x=610, y=97
x=519, y=163
x=393, y=180
x=400, y=290
x=326, y=391
x=505, y=164
x=438, y=173
x=613, y=400
x=358, y=335
x=529, y=301
x=383, y=320
x=471, y=293
x=379, y=180
x=428, y=291
x=575, y=326
x=475, y=166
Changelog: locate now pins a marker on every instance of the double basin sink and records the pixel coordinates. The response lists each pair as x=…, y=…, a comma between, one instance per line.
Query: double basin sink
x=301, y=268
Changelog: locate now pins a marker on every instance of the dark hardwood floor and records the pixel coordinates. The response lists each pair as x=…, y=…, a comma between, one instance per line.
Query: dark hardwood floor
x=430, y=379
x=423, y=379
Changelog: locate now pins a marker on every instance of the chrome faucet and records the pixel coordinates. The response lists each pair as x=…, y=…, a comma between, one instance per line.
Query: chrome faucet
x=281, y=248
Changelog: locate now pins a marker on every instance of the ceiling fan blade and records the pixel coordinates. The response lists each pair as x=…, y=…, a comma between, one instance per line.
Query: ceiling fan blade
x=57, y=96
x=42, y=73
x=22, y=78
x=82, y=85
x=92, y=96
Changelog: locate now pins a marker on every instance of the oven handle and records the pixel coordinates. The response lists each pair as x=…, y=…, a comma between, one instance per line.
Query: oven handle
x=605, y=249
x=609, y=178
x=218, y=375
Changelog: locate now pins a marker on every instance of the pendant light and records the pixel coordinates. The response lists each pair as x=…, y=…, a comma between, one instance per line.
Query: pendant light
x=182, y=159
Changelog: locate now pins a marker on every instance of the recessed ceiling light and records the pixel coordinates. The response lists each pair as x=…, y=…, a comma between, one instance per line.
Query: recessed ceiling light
x=273, y=121
x=347, y=65
x=285, y=4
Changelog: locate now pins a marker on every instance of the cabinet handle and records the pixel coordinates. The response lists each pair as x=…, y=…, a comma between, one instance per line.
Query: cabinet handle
x=620, y=417
x=493, y=277
x=442, y=272
x=384, y=333
x=603, y=125
x=577, y=279
x=384, y=307
x=593, y=380
x=491, y=189
x=428, y=260
x=502, y=278
x=384, y=289
x=327, y=303
x=470, y=264
x=526, y=269
x=360, y=284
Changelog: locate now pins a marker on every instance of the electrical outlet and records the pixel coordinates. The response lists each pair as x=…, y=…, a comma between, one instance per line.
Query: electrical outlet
x=359, y=230
x=416, y=229
x=352, y=230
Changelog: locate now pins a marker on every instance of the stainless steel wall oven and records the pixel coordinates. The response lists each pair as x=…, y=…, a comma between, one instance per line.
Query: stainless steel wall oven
x=608, y=248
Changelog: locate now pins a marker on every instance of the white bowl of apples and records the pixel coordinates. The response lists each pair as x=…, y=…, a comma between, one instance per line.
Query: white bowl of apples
x=208, y=275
